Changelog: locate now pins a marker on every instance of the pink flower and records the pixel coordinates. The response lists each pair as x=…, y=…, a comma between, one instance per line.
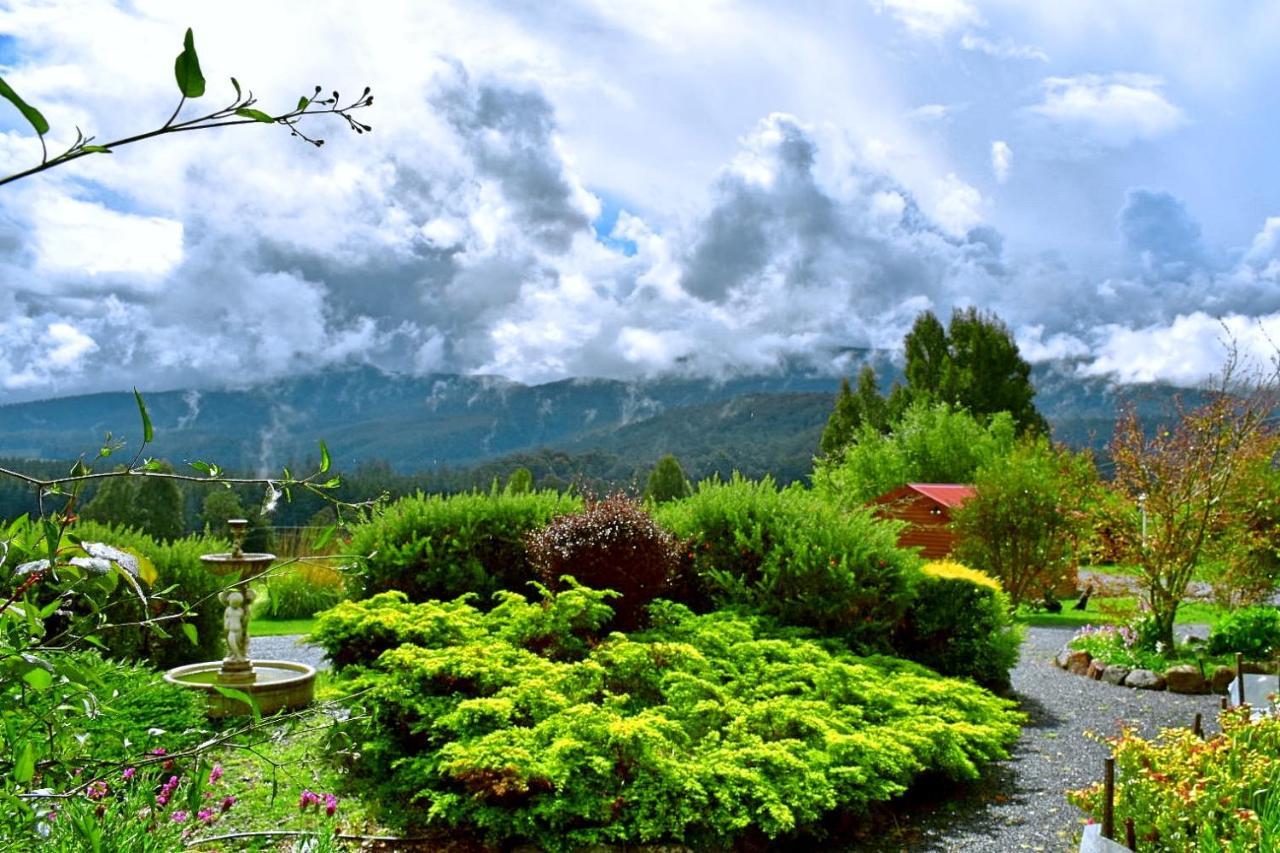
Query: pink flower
x=215, y=774
x=97, y=790
x=227, y=802
x=206, y=815
x=308, y=798
x=159, y=750
x=330, y=804
x=129, y=773
x=162, y=799
x=179, y=816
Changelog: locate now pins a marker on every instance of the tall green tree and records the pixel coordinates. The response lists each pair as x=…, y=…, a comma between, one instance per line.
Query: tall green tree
x=932, y=443
x=520, y=482
x=1028, y=522
x=843, y=423
x=853, y=409
x=975, y=364
x=153, y=505
x=667, y=481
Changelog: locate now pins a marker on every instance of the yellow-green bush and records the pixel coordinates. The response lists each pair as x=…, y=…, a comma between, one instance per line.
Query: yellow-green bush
x=958, y=623
x=520, y=725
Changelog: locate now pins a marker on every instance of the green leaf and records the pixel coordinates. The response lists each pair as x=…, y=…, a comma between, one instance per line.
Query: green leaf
x=186, y=68
x=302, y=103
x=95, y=149
x=236, y=85
x=25, y=767
x=190, y=631
x=30, y=113
x=324, y=537
x=240, y=695
x=256, y=115
x=148, y=433
x=324, y=457
x=40, y=679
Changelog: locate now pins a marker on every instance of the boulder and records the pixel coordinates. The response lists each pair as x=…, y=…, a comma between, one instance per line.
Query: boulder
x=1144, y=679
x=1116, y=674
x=1096, y=669
x=1185, y=678
x=1060, y=659
x=1078, y=662
x=1222, y=678
x=1257, y=667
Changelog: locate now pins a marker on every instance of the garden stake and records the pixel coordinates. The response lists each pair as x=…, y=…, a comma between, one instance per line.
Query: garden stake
x=1197, y=728
x=1130, y=835
x=1225, y=701
x=1109, y=799
x=1240, y=678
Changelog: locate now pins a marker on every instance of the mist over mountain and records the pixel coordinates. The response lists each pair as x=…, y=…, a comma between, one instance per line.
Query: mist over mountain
x=765, y=424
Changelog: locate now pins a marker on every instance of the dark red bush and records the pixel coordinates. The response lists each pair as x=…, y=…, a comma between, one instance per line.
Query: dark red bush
x=611, y=544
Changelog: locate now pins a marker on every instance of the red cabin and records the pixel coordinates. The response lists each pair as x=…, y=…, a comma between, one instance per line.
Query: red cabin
x=926, y=507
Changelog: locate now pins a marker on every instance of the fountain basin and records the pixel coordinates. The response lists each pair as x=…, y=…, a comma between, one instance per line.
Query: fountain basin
x=277, y=685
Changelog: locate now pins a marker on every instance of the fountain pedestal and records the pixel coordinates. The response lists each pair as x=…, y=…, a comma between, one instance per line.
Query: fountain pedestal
x=274, y=685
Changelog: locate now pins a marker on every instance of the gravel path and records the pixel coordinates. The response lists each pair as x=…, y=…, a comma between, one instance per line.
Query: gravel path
x=287, y=647
x=1021, y=806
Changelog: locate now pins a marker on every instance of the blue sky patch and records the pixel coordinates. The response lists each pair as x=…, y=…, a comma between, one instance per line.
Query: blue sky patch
x=610, y=207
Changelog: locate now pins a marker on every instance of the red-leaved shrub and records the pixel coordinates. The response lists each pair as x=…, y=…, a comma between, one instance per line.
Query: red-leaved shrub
x=610, y=544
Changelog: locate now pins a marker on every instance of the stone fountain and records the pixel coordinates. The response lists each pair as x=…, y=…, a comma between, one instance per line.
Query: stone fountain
x=273, y=684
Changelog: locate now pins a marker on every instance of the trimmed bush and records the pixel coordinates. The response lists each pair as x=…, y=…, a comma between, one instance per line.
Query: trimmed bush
x=178, y=570
x=698, y=731
x=610, y=544
x=436, y=547
x=788, y=554
x=1255, y=631
x=959, y=624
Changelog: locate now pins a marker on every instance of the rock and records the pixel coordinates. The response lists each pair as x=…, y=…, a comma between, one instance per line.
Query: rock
x=1116, y=674
x=1222, y=678
x=1060, y=659
x=1096, y=669
x=1078, y=662
x=1144, y=679
x=1185, y=678
x=1257, y=667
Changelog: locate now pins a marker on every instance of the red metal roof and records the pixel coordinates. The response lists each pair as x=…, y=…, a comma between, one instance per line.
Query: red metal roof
x=947, y=494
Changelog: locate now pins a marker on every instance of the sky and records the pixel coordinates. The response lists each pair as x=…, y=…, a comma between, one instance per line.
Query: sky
x=627, y=189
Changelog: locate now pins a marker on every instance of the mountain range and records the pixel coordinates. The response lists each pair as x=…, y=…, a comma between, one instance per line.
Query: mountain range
x=757, y=424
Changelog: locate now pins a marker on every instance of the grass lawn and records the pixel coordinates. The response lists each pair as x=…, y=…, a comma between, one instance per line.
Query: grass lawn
x=278, y=627
x=1107, y=611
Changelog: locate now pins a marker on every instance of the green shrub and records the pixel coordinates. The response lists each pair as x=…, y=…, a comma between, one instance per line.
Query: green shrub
x=698, y=731
x=959, y=624
x=1255, y=631
x=563, y=625
x=301, y=590
x=434, y=547
x=610, y=544
x=788, y=554
x=178, y=570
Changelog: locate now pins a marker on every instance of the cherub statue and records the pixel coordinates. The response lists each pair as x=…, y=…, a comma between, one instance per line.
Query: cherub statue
x=233, y=621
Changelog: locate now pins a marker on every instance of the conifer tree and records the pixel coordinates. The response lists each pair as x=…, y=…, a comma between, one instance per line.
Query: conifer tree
x=667, y=481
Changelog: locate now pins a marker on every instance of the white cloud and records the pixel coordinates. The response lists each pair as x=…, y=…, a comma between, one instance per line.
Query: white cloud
x=1114, y=109
x=1186, y=351
x=1035, y=346
x=957, y=205
x=81, y=236
x=1001, y=160
x=1003, y=49
x=930, y=18
x=934, y=112
x=68, y=345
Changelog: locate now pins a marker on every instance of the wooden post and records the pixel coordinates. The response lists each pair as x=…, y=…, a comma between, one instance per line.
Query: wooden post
x=1197, y=728
x=1225, y=702
x=1239, y=678
x=1130, y=835
x=1109, y=799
